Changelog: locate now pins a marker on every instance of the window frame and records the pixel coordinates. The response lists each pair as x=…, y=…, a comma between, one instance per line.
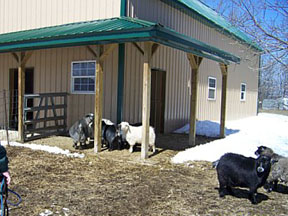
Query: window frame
x=243, y=99
x=212, y=88
x=73, y=78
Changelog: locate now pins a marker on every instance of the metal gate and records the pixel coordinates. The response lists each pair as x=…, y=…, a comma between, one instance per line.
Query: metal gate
x=44, y=115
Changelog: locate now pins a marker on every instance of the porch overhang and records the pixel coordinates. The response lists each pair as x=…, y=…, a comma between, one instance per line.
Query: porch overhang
x=108, y=31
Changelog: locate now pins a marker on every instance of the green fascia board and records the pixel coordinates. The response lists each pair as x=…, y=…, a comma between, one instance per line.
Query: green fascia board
x=76, y=41
x=213, y=19
x=189, y=50
x=122, y=30
x=194, y=44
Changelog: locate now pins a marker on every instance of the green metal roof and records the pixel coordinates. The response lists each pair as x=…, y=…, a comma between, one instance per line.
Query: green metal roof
x=107, y=31
x=213, y=18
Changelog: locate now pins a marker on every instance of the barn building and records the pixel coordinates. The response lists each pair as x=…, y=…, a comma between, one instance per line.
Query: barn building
x=159, y=62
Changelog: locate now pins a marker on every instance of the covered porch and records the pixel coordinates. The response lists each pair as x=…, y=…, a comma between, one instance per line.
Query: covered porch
x=106, y=35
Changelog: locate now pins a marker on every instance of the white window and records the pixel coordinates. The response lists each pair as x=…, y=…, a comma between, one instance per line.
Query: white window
x=211, y=88
x=83, y=77
x=243, y=92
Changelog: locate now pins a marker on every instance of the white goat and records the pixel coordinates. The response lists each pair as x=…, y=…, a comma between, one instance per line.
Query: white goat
x=133, y=135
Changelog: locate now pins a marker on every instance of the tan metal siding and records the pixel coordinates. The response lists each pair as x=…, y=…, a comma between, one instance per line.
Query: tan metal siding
x=132, y=110
x=52, y=73
x=178, y=69
x=176, y=103
x=18, y=15
x=5, y=62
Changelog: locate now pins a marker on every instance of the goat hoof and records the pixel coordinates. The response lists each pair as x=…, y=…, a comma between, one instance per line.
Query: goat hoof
x=254, y=202
x=268, y=190
x=222, y=195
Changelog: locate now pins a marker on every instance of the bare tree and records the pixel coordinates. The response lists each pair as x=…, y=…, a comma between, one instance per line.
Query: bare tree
x=265, y=21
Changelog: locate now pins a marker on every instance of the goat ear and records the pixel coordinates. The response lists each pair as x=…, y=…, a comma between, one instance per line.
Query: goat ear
x=273, y=161
x=129, y=128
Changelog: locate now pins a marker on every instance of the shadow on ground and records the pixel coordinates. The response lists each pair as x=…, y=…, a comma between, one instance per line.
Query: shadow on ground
x=179, y=142
x=244, y=194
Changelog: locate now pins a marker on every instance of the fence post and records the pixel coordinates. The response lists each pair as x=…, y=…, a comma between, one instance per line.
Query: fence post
x=5, y=117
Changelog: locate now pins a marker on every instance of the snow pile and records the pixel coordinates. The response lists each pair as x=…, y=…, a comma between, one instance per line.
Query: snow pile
x=265, y=129
x=50, y=149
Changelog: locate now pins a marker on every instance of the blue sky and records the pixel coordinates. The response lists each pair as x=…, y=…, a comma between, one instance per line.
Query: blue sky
x=269, y=15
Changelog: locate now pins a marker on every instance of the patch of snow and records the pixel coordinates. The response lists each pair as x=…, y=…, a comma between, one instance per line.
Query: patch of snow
x=66, y=211
x=46, y=213
x=265, y=129
x=13, y=135
x=50, y=149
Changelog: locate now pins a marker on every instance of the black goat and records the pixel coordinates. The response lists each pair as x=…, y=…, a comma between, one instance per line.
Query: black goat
x=236, y=170
x=110, y=135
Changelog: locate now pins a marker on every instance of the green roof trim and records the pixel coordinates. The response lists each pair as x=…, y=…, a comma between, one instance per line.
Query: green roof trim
x=213, y=18
x=107, y=31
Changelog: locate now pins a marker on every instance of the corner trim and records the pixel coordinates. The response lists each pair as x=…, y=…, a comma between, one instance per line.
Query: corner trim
x=121, y=69
x=120, y=88
x=123, y=11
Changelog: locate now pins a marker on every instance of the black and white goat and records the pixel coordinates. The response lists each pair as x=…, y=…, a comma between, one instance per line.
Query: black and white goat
x=81, y=130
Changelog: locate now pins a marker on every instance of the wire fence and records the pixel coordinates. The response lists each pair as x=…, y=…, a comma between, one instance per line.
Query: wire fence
x=8, y=116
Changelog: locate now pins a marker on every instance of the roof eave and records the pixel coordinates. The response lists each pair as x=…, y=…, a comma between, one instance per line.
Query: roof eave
x=105, y=38
x=180, y=5
x=188, y=45
x=154, y=33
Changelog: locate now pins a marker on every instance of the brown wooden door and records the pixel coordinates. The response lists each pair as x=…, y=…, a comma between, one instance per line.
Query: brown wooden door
x=158, y=87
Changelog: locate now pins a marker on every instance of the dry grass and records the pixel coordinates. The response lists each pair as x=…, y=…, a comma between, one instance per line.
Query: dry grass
x=119, y=183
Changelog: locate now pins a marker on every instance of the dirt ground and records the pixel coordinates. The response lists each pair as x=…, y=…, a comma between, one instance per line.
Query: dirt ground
x=119, y=183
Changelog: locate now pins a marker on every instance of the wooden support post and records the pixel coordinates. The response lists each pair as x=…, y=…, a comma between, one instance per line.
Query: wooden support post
x=146, y=98
x=100, y=56
x=21, y=89
x=148, y=52
x=98, y=100
x=22, y=60
x=224, y=71
x=195, y=62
